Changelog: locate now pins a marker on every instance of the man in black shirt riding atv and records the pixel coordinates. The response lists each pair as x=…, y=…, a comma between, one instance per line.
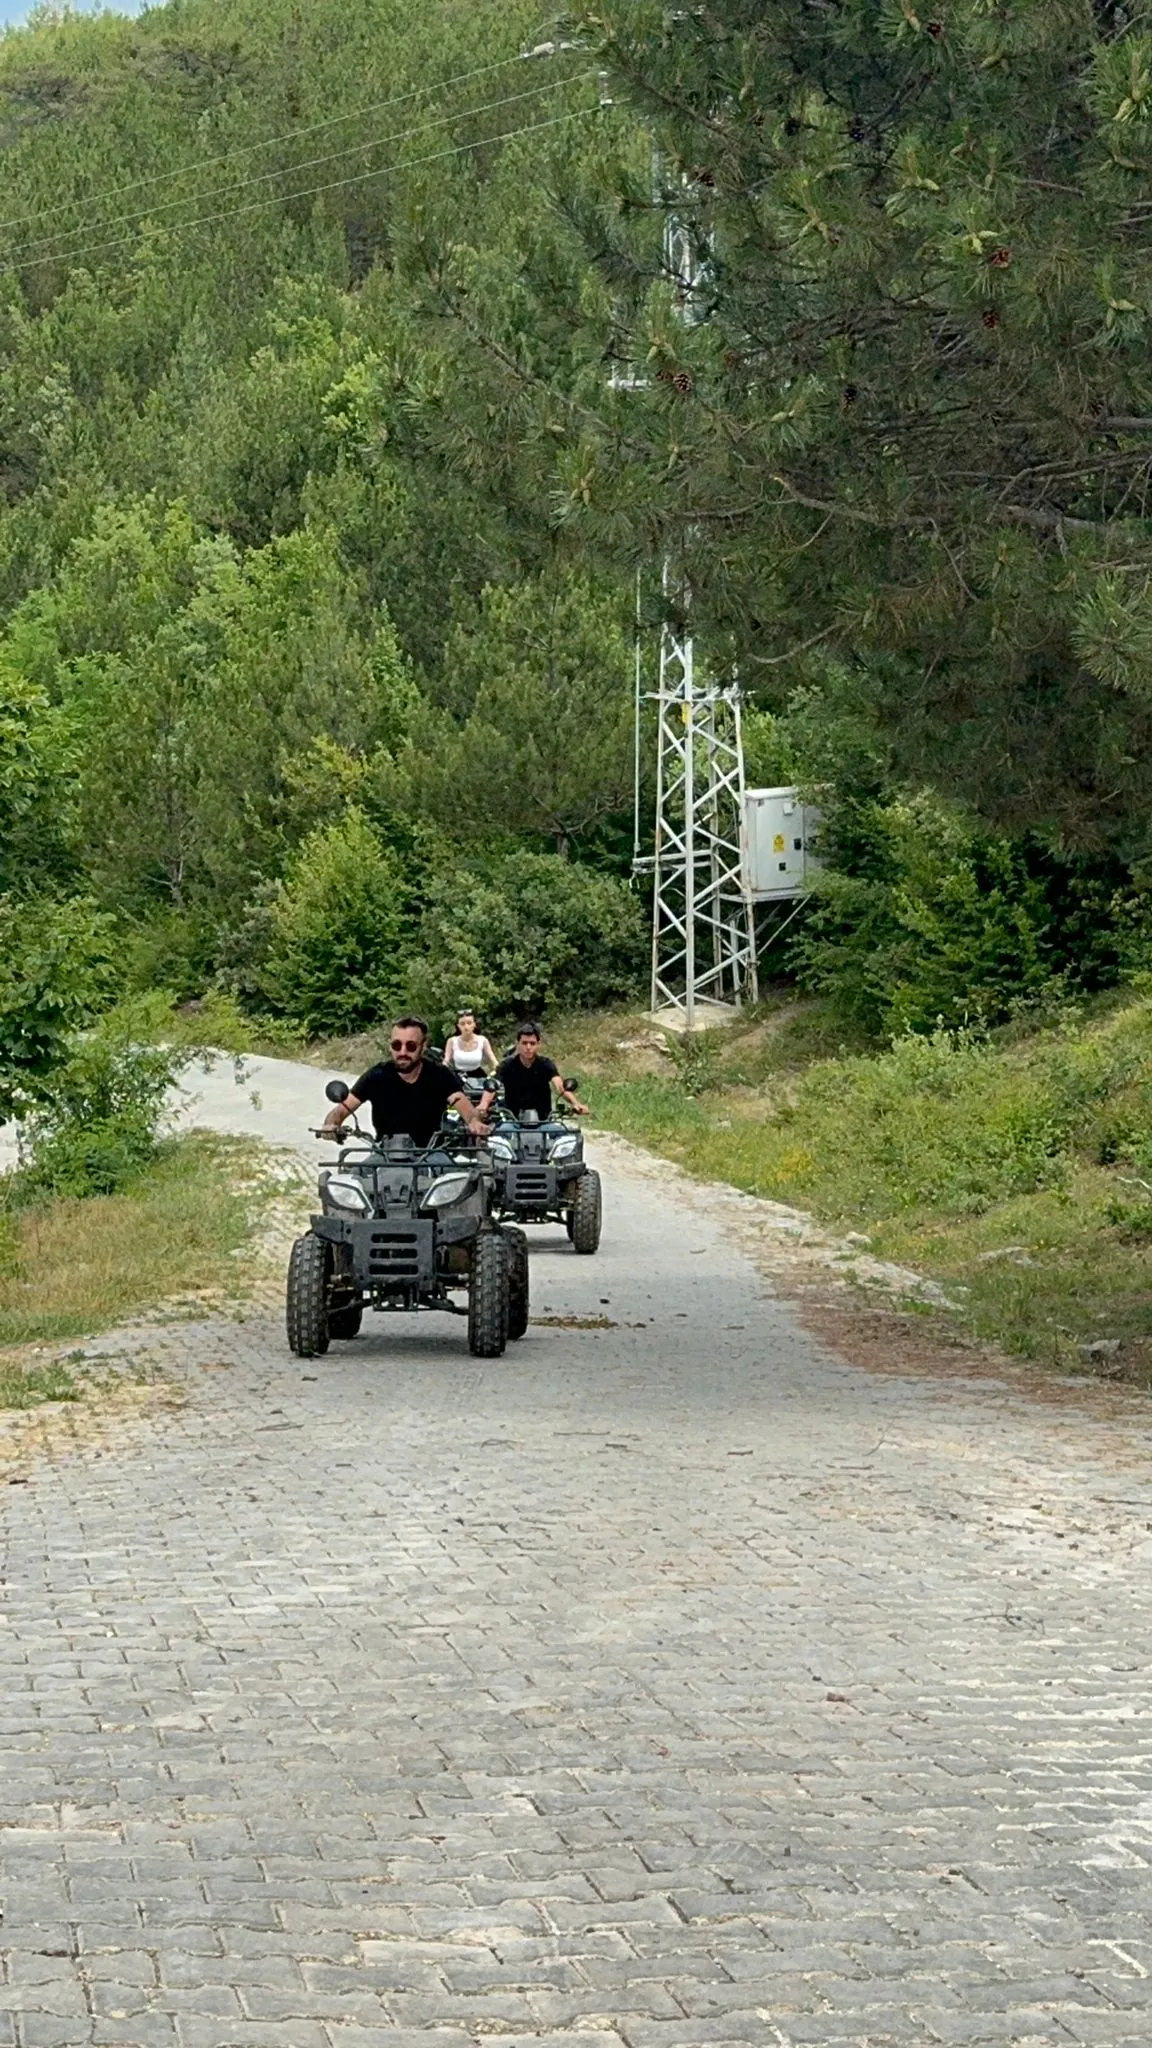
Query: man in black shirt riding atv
x=408, y=1093
x=528, y=1079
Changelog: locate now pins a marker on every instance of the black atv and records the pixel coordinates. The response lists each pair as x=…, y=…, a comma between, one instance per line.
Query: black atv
x=544, y=1178
x=400, y=1230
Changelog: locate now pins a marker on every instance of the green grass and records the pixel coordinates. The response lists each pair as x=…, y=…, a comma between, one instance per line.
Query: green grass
x=1013, y=1170
x=71, y=1267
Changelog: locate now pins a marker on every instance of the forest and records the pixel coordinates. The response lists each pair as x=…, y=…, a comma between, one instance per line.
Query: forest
x=347, y=404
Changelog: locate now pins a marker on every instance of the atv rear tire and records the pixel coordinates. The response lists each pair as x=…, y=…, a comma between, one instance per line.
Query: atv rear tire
x=569, y=1221
x=309, y=1268
x=345, y=1322
x=488, y=1290
x=517, y=1283
x=586, y=1213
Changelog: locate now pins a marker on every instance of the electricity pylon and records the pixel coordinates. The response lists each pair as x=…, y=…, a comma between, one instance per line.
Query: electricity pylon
x=703, y=938
x=703, y=929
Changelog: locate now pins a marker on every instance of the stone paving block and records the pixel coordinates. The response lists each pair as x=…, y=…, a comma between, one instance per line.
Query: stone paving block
x=139, y=2030
x=121, y=1966
x=351, y=2035
x=52, y=2030
x=192, y=2031
x=748, y=2029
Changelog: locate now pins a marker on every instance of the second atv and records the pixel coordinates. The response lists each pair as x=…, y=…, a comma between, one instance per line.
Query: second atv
x=543, y=1177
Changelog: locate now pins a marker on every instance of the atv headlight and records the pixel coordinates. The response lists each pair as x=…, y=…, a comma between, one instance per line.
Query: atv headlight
x=565, y=1147
x=448, y=1189
x=500, y=1148
x=347, y=1194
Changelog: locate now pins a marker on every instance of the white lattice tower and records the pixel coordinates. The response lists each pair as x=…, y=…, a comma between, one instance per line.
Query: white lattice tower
x=703, y=931
x=703, y=947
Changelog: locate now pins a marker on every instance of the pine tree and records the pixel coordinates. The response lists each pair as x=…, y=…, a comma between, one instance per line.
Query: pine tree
x=914, y=425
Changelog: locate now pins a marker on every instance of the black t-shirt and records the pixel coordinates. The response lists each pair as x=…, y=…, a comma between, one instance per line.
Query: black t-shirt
x=416, y=1107
x=528, y=1087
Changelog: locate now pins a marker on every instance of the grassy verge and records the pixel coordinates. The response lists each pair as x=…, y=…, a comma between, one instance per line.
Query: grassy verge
x=1016, y=1171
x=69, y=1267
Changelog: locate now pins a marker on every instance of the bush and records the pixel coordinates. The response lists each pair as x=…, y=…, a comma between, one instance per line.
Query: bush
x=950, y=1122
x=527, y=933
x=935, y=925
x=102, y=1113
x=338, y=928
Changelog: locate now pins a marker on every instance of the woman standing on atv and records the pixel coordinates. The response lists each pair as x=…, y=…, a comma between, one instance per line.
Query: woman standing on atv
x=468, y=1051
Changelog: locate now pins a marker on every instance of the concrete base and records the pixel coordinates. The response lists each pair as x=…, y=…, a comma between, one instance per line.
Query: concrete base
x=708, y=1016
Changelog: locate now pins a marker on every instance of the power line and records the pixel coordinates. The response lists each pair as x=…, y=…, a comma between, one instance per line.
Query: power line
x=268, y=141
x=313, y=191
x=47, y=243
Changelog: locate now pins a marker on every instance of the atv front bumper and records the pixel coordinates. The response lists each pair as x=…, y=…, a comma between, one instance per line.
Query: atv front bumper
x=535, y=1191
x=412, y=1253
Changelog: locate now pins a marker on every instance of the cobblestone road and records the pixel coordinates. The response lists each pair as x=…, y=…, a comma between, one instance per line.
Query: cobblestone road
x=661, y=1684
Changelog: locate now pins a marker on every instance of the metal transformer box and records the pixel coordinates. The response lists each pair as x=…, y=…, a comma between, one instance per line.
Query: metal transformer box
x=779, y=838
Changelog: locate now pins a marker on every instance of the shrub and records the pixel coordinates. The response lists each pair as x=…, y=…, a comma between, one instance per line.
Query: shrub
x=102, y=1113
x=527, y=933
x=947, y=1122
x=338, y=930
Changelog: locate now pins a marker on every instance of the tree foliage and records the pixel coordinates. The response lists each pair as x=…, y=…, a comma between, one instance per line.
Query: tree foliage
x=914, y=377
x=334, y=432
x=55, y=969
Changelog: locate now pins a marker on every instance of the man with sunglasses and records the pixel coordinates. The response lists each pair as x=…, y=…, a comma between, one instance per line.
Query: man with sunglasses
x=407, y=1093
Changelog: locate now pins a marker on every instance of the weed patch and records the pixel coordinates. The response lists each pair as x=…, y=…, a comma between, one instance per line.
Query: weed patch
x=28, y=1386
x=70, y=1266
x=1016, y=1171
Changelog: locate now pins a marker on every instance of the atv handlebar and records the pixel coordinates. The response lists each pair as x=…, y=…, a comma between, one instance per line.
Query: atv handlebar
x=342, y=1137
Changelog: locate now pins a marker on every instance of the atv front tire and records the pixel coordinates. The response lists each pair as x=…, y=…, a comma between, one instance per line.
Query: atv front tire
x=488, y=1290
x=345, y=1322
x=517, y=1283
x=586, y=1213
x=308, y=1271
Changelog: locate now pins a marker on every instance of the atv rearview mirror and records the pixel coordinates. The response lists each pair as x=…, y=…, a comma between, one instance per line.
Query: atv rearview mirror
x=336, y=1090
x=571, y=1082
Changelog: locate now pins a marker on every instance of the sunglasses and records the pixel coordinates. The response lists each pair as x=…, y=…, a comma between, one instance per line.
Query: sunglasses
x=405, y=1044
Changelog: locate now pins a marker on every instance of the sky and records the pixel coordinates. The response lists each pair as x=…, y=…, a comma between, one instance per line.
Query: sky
x=12, y=11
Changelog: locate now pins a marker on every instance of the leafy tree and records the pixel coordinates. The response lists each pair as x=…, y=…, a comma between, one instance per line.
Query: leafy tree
x=191, y=678
x=37, y=787
x=55, y=970
x=338, y=930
